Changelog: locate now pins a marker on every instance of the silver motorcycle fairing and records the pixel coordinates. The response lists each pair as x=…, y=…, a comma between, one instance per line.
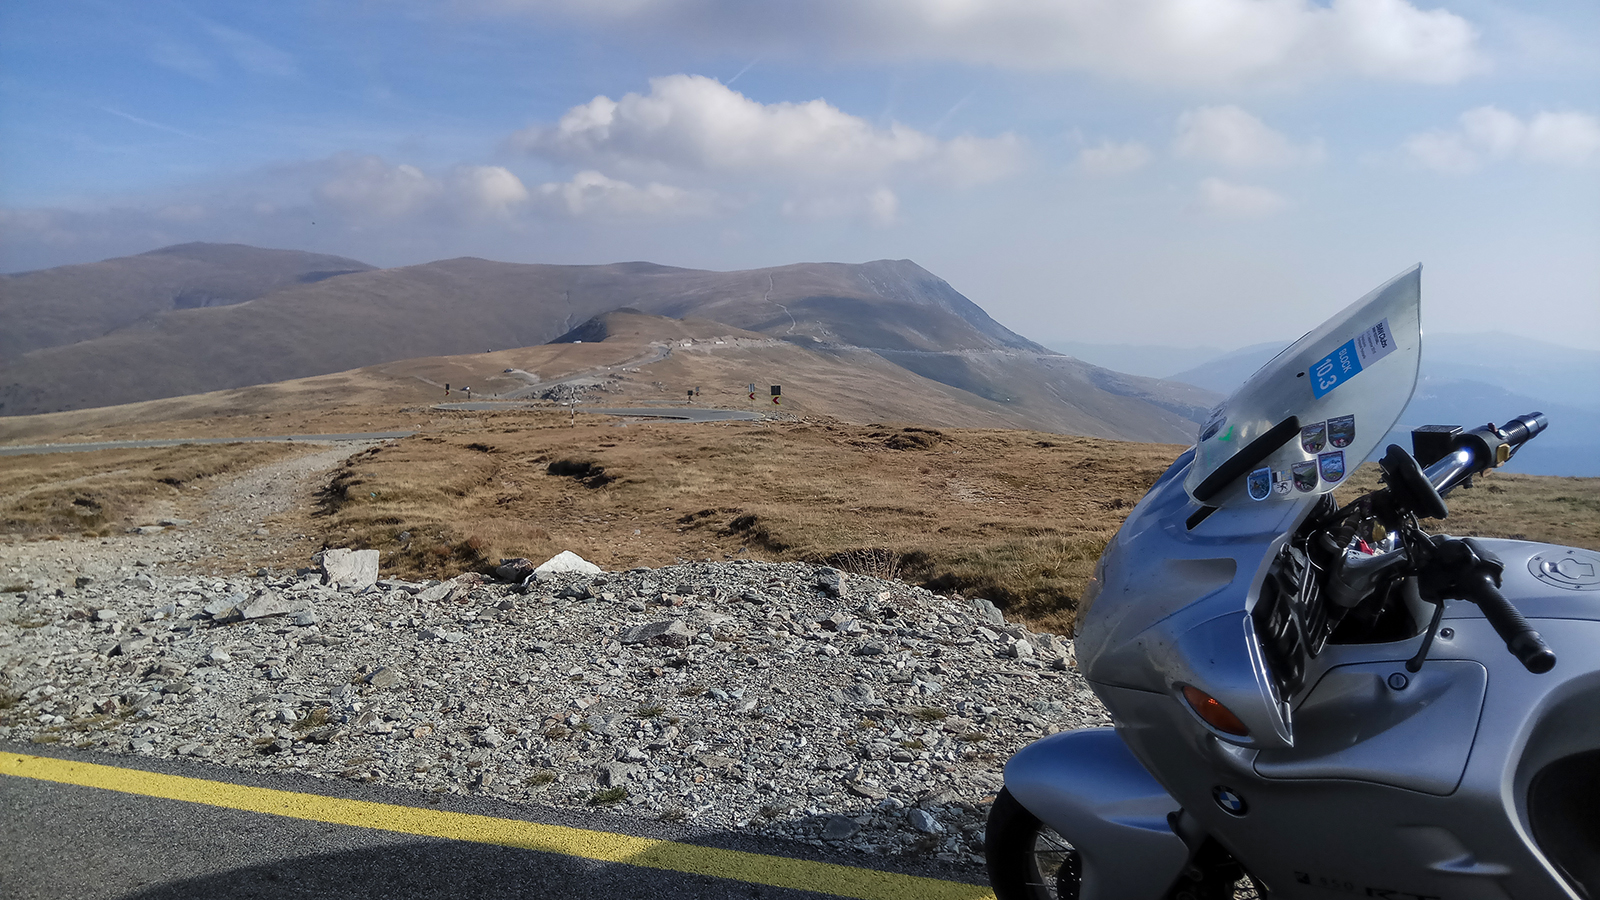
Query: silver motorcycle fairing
x=1170, y=601
x=1169, y=604
x=1349, y=821
x=1429, y=800
x=1107, y=806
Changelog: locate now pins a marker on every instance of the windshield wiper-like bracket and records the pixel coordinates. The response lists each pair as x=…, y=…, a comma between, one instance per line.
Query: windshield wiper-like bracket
x=1248, y=458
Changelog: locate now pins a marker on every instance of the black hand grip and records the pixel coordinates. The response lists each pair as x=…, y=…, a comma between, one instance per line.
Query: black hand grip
x=1524, y=428
x=1523, y=642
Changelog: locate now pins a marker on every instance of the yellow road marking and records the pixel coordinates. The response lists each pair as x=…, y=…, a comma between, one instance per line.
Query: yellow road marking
x=755, y=868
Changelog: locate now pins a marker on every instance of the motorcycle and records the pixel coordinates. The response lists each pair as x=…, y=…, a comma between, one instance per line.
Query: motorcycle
x=1309, y=699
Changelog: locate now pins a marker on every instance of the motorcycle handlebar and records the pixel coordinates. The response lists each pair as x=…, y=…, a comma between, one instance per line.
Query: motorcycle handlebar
x=1524, y=428
x=1483, y=448
x=1523, y=642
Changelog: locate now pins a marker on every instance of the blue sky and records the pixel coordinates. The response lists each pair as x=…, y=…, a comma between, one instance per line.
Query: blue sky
x=1182, y=172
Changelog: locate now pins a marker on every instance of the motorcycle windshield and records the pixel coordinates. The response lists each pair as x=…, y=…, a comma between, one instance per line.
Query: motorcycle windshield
x=1303, y=422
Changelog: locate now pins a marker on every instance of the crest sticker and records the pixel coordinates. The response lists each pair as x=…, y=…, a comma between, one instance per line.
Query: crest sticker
x=1341, y=431
x=1331, y=466
x=1259, y=484
x=1305, y=475
x=1313, y=437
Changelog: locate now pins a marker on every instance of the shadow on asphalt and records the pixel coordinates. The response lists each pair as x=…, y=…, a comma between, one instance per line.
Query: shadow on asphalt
x=442, y=869
x=64, y=840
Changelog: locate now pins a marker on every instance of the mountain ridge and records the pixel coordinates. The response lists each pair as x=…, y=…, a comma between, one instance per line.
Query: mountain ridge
x=63, y=305
x=893, y=310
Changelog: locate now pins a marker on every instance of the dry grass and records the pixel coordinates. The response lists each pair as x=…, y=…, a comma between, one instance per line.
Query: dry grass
x=1018, y=517
x=1546, y=508
x=98, y=492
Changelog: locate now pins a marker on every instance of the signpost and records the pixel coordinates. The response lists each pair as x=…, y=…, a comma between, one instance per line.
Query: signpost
x=777, y=394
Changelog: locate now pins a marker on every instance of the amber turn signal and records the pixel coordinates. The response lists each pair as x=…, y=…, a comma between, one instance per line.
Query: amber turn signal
x=1213, y=713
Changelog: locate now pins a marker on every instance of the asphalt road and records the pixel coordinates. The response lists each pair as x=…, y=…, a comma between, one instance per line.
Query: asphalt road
x=679, y=413
x=30, y=449
x=92, y=842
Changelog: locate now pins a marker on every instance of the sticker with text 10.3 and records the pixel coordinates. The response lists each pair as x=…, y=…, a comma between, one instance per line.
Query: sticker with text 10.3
x=1355, y=354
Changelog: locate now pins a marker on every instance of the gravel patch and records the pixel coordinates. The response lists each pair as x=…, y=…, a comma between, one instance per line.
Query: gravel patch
x=787, y=699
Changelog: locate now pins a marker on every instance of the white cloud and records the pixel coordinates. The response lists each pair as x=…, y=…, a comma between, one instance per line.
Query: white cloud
x=1109, y=158
x=369, y=186
x=1488, y=134
x=879, y=207
x=1495, y=131
x=1394, y=40
x=696, y=124
x=1241, y=201
x=883, y=207
x=1566, y=138
x=491, y=189
x=1233, y=137
x=1442, y=152
x=1175, y=42
x=591, y=193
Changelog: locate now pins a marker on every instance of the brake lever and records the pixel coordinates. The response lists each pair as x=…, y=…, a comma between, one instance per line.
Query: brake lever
x=1414, y=596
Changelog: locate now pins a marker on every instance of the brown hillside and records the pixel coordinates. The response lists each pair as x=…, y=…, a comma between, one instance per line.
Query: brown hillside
x=52, y=307
x=470, y=305
x=642, y=359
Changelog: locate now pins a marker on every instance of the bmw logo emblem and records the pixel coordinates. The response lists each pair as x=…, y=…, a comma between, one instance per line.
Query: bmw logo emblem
x=1229, y=800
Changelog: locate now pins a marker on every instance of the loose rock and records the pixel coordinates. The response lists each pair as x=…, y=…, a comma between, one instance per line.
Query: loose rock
x=350, y=569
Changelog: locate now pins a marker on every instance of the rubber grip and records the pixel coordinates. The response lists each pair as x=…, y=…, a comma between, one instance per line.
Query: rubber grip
x=1523, y=642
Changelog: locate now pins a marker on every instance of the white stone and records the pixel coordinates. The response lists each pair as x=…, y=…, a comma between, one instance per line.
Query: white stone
x=567, y=563
x=355, y=569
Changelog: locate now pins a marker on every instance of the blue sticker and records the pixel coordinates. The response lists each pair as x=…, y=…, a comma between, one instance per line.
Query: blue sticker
x=1259, y=484
x=1331, y=465
x=1347, y=362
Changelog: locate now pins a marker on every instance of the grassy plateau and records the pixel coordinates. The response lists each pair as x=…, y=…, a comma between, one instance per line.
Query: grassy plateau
x=1018, y=517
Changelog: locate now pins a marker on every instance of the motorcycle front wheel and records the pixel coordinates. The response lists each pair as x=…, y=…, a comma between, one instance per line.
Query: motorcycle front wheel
x=1027, y=859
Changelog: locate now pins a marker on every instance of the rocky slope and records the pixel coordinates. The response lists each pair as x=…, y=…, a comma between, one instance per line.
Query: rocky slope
x=796, y=701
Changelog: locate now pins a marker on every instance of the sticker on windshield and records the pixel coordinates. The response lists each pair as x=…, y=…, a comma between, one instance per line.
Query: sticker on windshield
x=1331, y=465
x=1280, y=483
x=1341, y=431
x=1305, y=475
x=1312, y=437
x=1260, y=484
x=1347, y=362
